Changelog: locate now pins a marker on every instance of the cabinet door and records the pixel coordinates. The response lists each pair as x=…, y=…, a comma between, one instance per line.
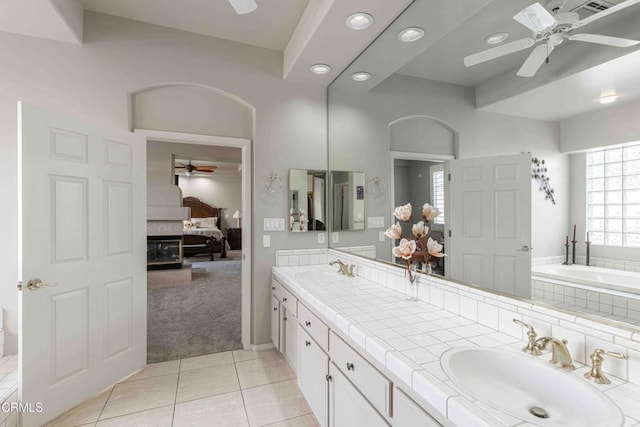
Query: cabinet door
x=313, y=367
x=347, y=407
x=275, y=322
x=290, y=341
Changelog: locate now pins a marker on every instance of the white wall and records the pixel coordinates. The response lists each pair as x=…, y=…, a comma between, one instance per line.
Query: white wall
x=358, y=140
x=119, y=56
x=218, y=191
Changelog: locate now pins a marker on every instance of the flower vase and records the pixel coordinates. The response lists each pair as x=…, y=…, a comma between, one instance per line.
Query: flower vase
x=413, y=282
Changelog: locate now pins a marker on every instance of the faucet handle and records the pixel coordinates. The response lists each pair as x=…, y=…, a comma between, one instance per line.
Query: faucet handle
x=595, y=374
x=531, y=347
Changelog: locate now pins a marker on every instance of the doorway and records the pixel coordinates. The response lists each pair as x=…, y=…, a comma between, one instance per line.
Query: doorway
x=204, y=267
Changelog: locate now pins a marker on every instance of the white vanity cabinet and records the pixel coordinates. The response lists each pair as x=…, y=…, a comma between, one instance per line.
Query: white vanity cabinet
x=290, y=330
x=275, y=322
x=284, y=329
x=347, y=407
x=407, y=413
x=313, y=371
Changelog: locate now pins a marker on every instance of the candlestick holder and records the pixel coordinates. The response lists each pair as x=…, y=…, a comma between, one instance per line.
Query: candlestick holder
x=573, y=255
x=588, y=252
x=566, y=254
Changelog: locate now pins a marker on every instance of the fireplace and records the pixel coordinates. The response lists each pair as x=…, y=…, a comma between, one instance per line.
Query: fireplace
x=164, y=252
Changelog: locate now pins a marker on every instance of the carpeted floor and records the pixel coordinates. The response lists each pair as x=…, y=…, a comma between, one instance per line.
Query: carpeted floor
x=201, y=318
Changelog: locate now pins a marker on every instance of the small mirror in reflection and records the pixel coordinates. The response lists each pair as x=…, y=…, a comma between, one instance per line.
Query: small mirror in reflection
x=307, y=200
x=348, y=200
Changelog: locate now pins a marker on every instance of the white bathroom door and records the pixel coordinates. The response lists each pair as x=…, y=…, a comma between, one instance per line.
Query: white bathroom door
x=83, y=314
x=490, y=222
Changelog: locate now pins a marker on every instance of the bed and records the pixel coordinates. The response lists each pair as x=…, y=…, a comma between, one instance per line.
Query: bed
x=201, y=232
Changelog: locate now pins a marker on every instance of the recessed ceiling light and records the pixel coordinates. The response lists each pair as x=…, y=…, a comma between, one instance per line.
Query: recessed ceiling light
x=608, y=99
x=359, y=21
x=320, y=69
x=361, y=76
x=496, y=38
x=411, y=34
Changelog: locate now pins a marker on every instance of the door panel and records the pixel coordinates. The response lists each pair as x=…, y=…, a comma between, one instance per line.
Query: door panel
x=82, y=231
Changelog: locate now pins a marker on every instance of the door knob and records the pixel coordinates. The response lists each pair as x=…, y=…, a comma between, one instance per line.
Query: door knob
x=35, y=284
x=525, y=248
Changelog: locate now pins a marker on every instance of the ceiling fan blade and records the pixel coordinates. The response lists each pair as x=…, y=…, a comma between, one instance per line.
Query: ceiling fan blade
x=205, y=168
x=535, y=60
x=498, y=51
x=536, y=18
x=606, y=40
x=243, y=7
x=607, y=12
x=179, y=166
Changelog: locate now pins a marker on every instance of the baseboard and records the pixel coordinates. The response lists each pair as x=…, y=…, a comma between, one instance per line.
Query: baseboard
x=262, y=346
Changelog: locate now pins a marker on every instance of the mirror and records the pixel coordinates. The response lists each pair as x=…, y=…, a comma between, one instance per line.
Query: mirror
x=347, y=200
x=422, y=101
x=307, y=200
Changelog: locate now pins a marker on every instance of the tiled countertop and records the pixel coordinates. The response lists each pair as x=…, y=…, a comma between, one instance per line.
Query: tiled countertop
x=409, y=337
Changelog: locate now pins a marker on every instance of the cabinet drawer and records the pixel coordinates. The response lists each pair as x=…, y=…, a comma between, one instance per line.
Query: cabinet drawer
x=314, y=326
x=290, y=302
x=407, y=413
x=369, y=381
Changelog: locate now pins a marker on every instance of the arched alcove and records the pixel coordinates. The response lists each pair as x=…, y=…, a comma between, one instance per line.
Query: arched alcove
x=423, y=134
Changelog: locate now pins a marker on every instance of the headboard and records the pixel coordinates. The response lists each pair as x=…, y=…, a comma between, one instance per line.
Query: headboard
x=200, y=209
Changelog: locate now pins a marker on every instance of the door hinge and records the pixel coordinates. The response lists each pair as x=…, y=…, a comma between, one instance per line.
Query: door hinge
x=448, y=177
x=328, y=377
x=449, y=233
x=20, y=285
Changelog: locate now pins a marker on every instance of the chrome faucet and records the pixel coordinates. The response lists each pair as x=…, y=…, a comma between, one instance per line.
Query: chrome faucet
x=560, y=355
x=347, y=270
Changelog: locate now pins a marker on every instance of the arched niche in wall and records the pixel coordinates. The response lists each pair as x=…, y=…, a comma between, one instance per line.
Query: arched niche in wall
x=423, y=134
x=191, y=108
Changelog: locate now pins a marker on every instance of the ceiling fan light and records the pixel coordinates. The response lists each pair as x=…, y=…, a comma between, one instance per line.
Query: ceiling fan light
x=242, y=7
x=496, y=38
x=608, y=99
x=411, y=34
x=188, y=173
x=359, y=21
x=320, y=69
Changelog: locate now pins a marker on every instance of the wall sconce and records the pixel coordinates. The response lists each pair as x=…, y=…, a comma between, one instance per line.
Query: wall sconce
x=237, y=216
x=377, y=185
x=539, y=174
x=273, y=182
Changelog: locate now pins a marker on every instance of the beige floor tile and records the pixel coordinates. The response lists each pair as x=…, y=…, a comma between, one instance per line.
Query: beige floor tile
x=155, y=370
x=274, y=402
x=140, y=395
x=304, y=421
x=206, y=382
x=206, y=361
x=85, y=413
x=158, y=417
x=257, y=372
x=222, y=411
x=244, y=355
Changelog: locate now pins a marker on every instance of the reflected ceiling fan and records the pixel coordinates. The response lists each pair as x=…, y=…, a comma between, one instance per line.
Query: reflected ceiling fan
x=189, y=168
x=243, y=7
x=550, y=30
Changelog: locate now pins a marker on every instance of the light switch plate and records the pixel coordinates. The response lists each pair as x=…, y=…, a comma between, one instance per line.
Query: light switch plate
x=266, y=241
x=322, y=237
x=335, y=237
x=375, y=222
x=273, y=224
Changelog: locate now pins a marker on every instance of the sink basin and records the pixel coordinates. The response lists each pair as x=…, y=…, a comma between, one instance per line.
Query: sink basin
x=321, y=276
x=522, y=385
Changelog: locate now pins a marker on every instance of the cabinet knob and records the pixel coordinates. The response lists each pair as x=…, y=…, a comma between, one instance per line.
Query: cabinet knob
x=284, y=299
x=350, y=366
x=328, y=377
x=284, y=318
x=307, y=323
x=275, y=308
x=273, y=288
x=307, y=343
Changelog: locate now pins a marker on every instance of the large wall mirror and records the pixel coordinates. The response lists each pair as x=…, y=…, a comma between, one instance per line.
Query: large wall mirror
x=431, y=130
x=307, y=200
x=347, y=200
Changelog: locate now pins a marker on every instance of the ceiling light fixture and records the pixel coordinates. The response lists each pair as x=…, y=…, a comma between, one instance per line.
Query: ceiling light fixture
x=320, y=69
x=496, y=38
x=359, y=21
x=410, y=34
x=361, y=76
x=243, y=7
x=188, y=173
x=608, y=99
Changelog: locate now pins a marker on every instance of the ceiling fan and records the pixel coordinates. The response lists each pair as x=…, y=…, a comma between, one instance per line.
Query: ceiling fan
x=243, y=6
x=550, y=30
x=189, y=168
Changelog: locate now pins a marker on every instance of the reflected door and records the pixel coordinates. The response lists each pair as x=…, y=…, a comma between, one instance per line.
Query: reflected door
x=83, y=229
x=490, y=222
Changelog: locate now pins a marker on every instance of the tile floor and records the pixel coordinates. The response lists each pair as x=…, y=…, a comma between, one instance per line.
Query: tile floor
x=234, y=388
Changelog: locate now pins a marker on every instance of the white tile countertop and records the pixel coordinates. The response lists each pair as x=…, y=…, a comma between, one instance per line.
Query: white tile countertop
x=409, y=337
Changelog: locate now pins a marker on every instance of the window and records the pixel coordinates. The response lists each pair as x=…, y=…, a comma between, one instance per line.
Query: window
x=437, y=192
x=613, y=195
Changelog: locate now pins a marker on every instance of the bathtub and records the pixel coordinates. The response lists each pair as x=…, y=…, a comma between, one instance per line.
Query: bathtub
x=598, y=278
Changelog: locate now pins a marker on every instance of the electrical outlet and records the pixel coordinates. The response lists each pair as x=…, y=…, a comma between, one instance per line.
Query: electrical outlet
x=322, y=237
x=335, y=237
x=381, y=236
x=266, y=241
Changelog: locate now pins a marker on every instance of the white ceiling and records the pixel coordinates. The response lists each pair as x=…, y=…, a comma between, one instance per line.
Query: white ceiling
x=269, y=26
